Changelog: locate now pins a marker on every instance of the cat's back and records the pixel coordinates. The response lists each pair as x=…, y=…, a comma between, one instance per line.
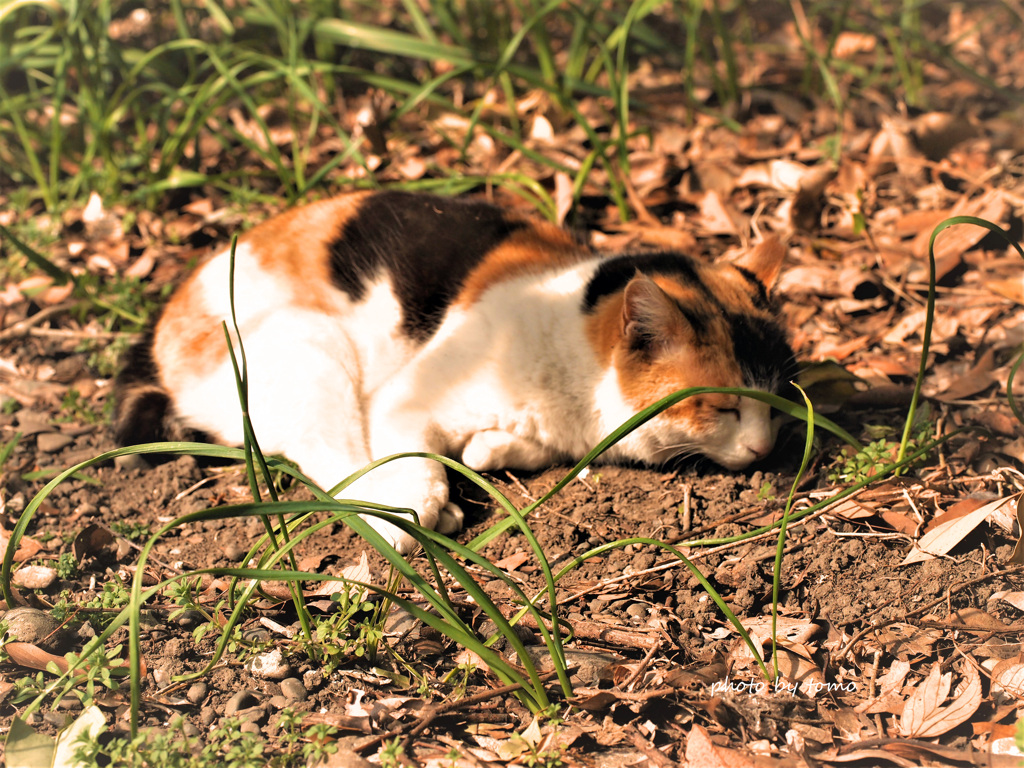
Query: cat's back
x=381, y=269
x=431, y=251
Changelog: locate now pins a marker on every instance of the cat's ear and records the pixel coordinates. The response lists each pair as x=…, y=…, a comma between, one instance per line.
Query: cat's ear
x=764, y=261
x=651, y=319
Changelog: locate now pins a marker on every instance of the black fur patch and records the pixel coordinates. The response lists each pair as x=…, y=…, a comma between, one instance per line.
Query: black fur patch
x=427, y=244
x=762, y=351
x=138, y=410
x=614, y=274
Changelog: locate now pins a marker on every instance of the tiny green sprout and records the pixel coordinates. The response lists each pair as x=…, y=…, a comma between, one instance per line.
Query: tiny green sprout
x=74, y=407
x=767, y=492
x=321, y=741
x=112, y=597
x=132, y=531
x=552, y=714
x=391, y=753
x=67, y=566
x=876, y=456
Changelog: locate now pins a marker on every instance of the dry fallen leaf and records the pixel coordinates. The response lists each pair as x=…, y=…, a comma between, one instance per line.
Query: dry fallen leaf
x=702, y=752
x=1008, y=675
x=925, y=715
x=942, y=538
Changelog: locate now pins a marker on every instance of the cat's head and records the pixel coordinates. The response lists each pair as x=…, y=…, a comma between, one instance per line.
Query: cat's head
x=674, y=322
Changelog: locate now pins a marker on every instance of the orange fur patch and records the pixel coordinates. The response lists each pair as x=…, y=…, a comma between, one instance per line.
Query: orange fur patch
x=538, y=247
x=292, y=245
x=645, y=382
x=186, y=336
x=604, y=328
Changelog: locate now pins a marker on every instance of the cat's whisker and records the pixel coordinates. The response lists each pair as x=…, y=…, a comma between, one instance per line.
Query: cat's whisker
x=675, y=451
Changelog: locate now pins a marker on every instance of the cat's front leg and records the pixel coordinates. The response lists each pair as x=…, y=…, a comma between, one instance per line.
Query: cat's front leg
x=492, y=449
x=420, y=485
x=417, y=484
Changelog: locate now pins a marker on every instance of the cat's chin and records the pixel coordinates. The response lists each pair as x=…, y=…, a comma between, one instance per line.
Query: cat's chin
x=734, y=462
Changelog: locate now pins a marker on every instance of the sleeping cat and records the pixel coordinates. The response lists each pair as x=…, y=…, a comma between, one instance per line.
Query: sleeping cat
x=387, y=322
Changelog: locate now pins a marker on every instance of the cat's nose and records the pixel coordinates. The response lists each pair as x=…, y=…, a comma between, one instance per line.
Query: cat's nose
x=759, y=450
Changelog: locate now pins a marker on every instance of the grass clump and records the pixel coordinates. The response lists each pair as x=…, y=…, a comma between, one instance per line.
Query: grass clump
x=136, y=102
x=226, y=746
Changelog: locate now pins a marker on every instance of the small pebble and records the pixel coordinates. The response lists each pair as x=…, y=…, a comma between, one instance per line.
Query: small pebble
x=636, y=610
x=69, y=704
x=312, y=679
x=207, y=716
x=189, y=618
x=57, y=719
x=30, y=625
x=197, y=692
x=131, y=461
x=51, y=442
x=271, y=665
x=235, y=551
x=250, y=727
x=242, y=700
x=190, y=730
x=255, y=634
x=34, y=577
x=257, y=715
x=278, y=702
x=161, y=676
x=85, y=509
x=293, y=689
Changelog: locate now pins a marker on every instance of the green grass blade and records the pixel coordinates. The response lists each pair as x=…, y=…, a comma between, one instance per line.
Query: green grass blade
x=930, y=314
x=37, y=259
x=783, y=523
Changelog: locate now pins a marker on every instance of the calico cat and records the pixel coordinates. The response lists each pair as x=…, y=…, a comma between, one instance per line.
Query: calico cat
x=387, y=322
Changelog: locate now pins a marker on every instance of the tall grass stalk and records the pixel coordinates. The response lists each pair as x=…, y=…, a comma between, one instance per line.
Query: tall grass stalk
x=930, y=316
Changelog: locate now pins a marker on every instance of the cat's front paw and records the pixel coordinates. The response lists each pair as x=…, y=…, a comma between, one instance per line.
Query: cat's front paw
x=402, y=541
x=492, y=449
x=450, y=520
x=398, y=486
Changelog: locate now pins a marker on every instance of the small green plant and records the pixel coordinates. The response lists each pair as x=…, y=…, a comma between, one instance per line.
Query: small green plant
x=75, y=408
x=227, y=746
x=533, y=756
x=391, y=754
x=113, y=594
x=350, y=630
x=64, y=607
x=314, y=743
x=67, y=566
x=130, y=531
x=4, y=657
x=111, y=598
x=766, y=492
x=856, y=466
x=543, y=758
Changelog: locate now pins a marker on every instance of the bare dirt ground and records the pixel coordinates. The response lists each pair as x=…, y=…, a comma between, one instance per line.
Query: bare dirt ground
x=884, y=662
